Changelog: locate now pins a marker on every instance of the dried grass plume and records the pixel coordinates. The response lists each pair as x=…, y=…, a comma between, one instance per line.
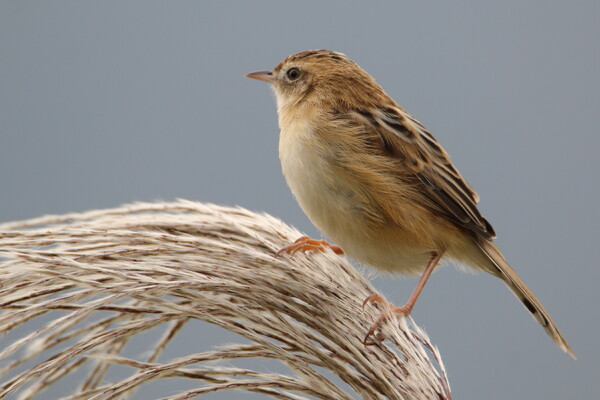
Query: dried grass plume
x=77, y=291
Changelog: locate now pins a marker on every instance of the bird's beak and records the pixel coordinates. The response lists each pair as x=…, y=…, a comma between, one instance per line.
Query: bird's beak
x=266, y=76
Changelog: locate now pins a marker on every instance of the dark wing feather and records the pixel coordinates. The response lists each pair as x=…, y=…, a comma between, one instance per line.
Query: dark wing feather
x=448, y=192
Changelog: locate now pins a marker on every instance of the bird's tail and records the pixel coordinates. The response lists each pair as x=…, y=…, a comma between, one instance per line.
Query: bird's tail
x=518, y=287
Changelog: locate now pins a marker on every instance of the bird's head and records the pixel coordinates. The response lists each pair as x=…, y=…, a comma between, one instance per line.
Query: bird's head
x=322, y=78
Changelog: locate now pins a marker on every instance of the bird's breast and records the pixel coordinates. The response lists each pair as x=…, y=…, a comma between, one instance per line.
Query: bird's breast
x=333, y=204
x=309, y=175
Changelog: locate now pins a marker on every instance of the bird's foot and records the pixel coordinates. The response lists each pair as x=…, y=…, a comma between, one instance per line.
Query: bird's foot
x=389, y=310
x=305, y=244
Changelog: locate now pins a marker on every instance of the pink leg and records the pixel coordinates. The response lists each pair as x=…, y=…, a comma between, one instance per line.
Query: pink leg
x=406, y=309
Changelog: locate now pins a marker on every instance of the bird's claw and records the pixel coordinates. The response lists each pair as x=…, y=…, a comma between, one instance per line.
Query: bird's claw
x=305, y=244
x=388, y=311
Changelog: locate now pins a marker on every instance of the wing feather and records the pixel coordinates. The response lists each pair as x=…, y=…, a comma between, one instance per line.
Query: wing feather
x=446, y=189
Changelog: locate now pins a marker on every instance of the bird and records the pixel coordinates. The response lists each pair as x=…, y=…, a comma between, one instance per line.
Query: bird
x=375, y=181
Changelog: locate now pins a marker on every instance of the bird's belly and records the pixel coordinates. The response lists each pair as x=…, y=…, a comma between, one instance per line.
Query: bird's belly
x=331, y=205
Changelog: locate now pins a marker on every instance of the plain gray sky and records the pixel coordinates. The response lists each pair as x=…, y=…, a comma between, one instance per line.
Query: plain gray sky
x=103, y=103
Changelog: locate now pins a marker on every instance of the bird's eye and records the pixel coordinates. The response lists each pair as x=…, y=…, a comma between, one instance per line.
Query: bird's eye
x=293, y=74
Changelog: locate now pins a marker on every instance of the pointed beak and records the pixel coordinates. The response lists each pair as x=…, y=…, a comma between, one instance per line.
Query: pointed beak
x=266, y=76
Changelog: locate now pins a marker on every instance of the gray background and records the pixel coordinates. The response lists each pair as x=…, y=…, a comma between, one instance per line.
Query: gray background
x=103, y=103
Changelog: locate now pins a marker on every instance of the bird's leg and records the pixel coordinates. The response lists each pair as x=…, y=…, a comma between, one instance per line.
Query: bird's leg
x=305, y=244
x=406, y=309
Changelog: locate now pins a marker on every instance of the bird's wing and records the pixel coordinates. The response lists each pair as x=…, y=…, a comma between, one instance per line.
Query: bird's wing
x=405, y=138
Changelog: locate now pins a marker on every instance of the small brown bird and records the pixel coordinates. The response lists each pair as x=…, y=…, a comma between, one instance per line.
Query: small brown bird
x=374, y=180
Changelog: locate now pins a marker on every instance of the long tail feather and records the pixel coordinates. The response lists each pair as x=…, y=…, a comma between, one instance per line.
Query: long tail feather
x=518, y=287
